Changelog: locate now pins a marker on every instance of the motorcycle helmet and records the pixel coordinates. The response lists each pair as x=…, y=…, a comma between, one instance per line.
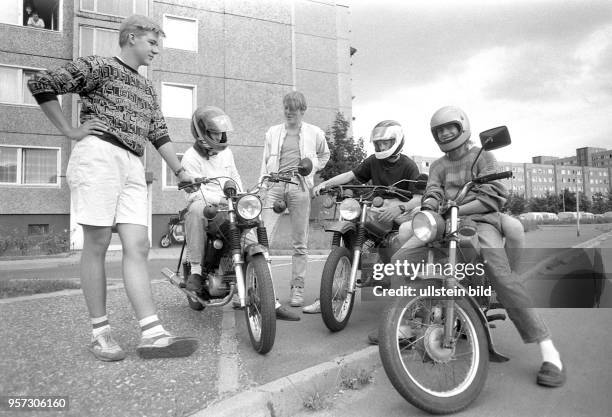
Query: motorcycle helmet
x=210, y=119
x=446, y=116
x=383, y=132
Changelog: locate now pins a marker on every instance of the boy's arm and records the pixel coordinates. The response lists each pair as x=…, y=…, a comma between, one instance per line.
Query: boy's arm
x=491, y=196
x=337, y=180
x=266, y=154
x=54, y=113
x=168, y=152
x=434, y=192
x=234, y=171
x=192, y=167
x=323, y=153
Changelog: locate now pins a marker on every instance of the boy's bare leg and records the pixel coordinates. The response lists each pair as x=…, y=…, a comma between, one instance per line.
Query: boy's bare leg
x=135, y=242
x=93, y=276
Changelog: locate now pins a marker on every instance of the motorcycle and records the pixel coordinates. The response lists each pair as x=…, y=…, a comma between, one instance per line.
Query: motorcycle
x=359, y=241
x=230, y=264
x=436, y=349
x=176, y=230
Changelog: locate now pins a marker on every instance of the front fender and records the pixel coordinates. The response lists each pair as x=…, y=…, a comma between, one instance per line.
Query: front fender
x=254, y=249
x=342, y=227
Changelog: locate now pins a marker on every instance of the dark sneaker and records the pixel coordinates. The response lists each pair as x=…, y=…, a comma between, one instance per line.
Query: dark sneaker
x=283, y=314
x=373, y=337
x=551, y=376
x=105, y=348
x=194, y=282
x=166, y=346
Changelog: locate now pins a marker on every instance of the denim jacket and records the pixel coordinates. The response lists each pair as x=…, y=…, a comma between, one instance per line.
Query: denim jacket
x=312, y=145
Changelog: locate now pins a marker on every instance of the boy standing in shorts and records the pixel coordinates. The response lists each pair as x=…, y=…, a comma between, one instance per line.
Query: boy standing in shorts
x=120, y=114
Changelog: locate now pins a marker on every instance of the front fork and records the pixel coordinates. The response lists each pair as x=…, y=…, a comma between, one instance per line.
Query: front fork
x=237, y=257
x=450, y=281
x=357, y=251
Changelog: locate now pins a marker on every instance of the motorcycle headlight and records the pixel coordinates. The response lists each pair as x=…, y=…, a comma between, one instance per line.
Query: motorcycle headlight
x=350, y=209
x=249, y=207
x=428, y=226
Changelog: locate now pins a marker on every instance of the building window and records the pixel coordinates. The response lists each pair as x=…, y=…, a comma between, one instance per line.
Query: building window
x=38, y=229
x=181, y=33
x=115, y=7
x=38, y=14
x=178, y=100
x=169, y=179
x=14, y=85
x=29, y=166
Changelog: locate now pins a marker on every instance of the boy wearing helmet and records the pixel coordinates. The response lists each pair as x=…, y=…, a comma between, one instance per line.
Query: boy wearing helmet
x=385, y=167
x=450, y=128
x=210, y=156
x=119, y=115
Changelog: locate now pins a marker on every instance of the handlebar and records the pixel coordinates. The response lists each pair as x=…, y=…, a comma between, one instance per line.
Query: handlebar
x=492, y=177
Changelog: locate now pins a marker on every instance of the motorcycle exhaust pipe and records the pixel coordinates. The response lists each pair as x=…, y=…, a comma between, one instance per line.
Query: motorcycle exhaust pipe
x=174, y=279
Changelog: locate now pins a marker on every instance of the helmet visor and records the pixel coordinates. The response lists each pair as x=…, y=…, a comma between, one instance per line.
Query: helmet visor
x=382, y=145
x=221, y=123
x=447, y=132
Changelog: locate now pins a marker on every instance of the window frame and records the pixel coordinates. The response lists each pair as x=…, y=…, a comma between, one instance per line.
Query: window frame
x=194, y=97
x=110, y=14
x=165, y=16
x=165, y=167
x=21, y=68
x=19, y=183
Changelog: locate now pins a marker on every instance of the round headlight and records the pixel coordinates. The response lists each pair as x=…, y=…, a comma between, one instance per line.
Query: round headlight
x=428, y=226
x=249, y=207
x=350, y=209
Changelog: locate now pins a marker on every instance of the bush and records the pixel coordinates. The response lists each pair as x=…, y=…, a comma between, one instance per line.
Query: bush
x=15, y=243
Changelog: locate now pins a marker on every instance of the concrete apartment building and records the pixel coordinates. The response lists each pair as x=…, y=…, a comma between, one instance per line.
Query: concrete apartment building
x=242, y=56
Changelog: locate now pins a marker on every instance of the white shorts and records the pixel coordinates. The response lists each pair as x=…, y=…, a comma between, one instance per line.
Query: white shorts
x=107, y=184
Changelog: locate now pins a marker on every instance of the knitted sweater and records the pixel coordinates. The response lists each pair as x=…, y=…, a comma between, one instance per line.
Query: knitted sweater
x=113, y=92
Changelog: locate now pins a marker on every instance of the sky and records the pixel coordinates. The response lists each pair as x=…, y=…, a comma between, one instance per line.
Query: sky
x=541, y=67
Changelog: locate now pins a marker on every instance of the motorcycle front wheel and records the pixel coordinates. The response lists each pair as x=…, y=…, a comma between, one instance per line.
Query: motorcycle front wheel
x=165, y=241
x=260, y=313
x=336, y=301
x=429, y=376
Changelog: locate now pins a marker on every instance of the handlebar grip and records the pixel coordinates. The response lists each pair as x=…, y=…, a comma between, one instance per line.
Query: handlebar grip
x=493, y=177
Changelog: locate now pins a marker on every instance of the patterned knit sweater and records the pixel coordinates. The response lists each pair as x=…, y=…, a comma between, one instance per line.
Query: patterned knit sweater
x=112, y=92
x=446, y=177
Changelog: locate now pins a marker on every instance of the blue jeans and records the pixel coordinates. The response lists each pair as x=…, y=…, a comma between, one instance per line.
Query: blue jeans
x=509, y=288
x=298, y=203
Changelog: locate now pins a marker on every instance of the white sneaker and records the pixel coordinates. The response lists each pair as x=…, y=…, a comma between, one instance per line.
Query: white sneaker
x=314, y=308
x=106, y=349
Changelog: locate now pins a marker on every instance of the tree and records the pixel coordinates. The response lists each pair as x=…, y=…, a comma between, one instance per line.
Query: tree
x=599, y=203
x=516, y=204
x=345, y=153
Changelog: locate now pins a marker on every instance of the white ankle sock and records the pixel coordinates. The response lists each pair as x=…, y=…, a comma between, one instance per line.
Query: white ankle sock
x=196, y=268
x=151, y=327
x=550, y=353
x=99, y=325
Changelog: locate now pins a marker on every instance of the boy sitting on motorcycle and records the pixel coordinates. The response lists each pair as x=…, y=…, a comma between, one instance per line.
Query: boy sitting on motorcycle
x=386, y=167
x=209, y=157
x=451, y=130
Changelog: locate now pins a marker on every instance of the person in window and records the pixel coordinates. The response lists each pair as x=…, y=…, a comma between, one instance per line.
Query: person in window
x=120, y=115
x=36, y=21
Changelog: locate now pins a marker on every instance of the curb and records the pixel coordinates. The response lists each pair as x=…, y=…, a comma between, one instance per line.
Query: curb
x=285, y=396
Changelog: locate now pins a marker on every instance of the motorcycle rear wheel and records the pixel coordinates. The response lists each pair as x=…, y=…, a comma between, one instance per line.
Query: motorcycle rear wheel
x=259, y=312
x=336, y=302
x=165, y=241
x=430, y=377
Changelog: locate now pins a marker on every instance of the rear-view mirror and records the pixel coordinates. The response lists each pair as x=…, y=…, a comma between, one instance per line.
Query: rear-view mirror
x=305, y=167
x=495, y=138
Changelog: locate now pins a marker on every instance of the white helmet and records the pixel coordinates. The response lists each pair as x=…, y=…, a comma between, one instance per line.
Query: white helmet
x=384, y=131
x=451, y=115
